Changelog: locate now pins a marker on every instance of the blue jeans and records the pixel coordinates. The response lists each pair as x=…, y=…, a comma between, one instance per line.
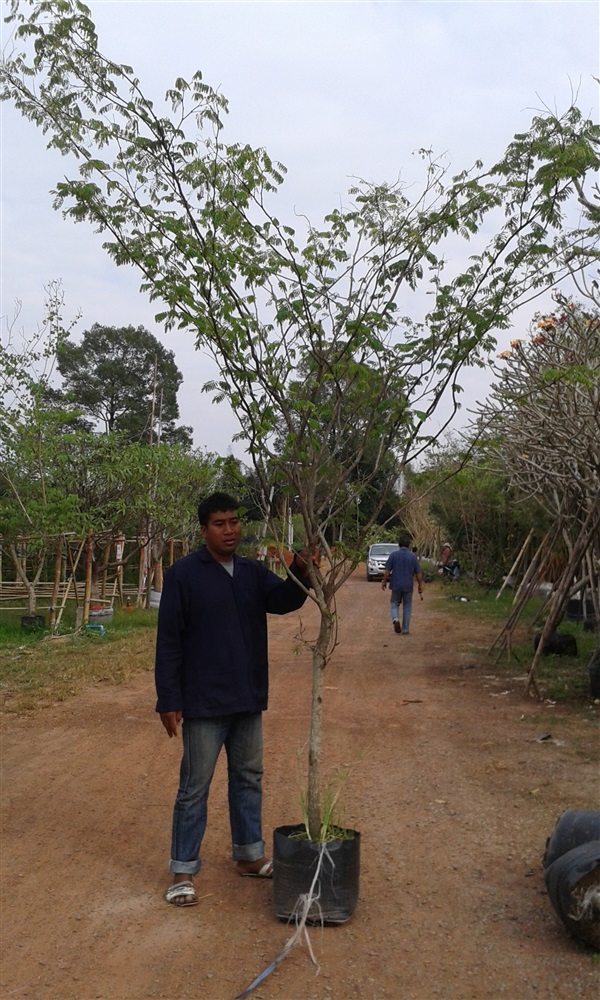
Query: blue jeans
x=202, y=742
x=404, y=598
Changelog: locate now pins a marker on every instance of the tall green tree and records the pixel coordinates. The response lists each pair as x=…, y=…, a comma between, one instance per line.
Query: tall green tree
x=124, y=379
x=195, y=214
x=57, y=477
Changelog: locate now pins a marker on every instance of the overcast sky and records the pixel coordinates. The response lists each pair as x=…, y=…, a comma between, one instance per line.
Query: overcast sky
x=334, y=90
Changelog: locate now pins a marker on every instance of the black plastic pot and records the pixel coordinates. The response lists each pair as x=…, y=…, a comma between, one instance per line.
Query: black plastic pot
x=295, y=862
x=33, y=623
x=594, y=675
x=573, y=828
x=573, y=885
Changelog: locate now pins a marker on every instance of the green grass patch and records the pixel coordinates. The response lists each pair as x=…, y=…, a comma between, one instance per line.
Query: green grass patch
x=560, y=678
x=38, y=669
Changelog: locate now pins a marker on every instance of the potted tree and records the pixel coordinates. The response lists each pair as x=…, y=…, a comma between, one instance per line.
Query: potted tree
x=333, y=388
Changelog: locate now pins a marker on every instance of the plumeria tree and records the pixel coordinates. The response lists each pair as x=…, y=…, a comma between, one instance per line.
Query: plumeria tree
x=544, y=409
x=306, y=328
x=543, y=420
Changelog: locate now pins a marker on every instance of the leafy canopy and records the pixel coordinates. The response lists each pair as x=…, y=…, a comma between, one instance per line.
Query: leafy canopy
x=195, y=215
x=293, y=319
x=125, y=379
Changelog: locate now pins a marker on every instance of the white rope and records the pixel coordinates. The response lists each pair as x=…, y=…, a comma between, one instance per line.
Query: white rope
x=301, y=911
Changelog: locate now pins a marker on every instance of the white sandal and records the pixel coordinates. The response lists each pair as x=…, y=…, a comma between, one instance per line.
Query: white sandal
x=266, y=871
x=181, y=894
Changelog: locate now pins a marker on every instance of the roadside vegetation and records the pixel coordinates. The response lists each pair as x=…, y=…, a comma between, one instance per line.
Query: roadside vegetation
x=335, y=391
x=38, y=670
x=563, y=679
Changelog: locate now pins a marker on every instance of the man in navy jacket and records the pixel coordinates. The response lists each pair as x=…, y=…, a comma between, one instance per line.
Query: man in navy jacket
x=212, y=676
x=401, y=569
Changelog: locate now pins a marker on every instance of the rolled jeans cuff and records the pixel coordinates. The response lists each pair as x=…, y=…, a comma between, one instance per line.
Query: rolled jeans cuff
x=248, y=852
x=184, y=867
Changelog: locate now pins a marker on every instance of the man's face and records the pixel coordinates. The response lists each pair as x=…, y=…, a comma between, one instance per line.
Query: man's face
x=222, y=534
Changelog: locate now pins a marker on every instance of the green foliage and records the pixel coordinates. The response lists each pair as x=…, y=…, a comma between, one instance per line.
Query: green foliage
x=331, y=385
x=474, y=507
x=57, y=477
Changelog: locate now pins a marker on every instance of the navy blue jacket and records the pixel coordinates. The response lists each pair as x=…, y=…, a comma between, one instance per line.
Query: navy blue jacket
x=402, y=564
x=211, y=644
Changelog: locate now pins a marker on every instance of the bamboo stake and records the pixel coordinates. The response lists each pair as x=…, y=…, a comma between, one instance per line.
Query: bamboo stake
x=587, y=531
x=513, y=568
x=526, y=590
x=104, y=569
x=70, y=581
x=88, y=578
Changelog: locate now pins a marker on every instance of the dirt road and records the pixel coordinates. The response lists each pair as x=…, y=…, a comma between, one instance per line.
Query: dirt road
x=451, y=790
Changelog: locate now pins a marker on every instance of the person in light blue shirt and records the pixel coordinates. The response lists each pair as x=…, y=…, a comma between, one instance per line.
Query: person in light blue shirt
x=401, y=569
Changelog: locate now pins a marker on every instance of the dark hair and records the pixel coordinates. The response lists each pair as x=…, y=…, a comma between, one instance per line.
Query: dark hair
x=215, y=502
x=404, y=538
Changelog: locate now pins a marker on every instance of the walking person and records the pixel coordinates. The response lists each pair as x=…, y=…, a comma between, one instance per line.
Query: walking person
x=211, y=676
x=401, y=569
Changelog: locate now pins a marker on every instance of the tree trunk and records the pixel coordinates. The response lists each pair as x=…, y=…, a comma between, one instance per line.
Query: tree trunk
x=320, y=654
x=21, y=573
x=31, y=599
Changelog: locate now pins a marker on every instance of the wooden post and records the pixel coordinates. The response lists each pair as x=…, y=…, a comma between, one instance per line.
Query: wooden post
x=89, y=545
x=158, y=575
x=56, y=586
x=104, y=568
x=594, y=589
x=119, y=553
x=142, y=568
